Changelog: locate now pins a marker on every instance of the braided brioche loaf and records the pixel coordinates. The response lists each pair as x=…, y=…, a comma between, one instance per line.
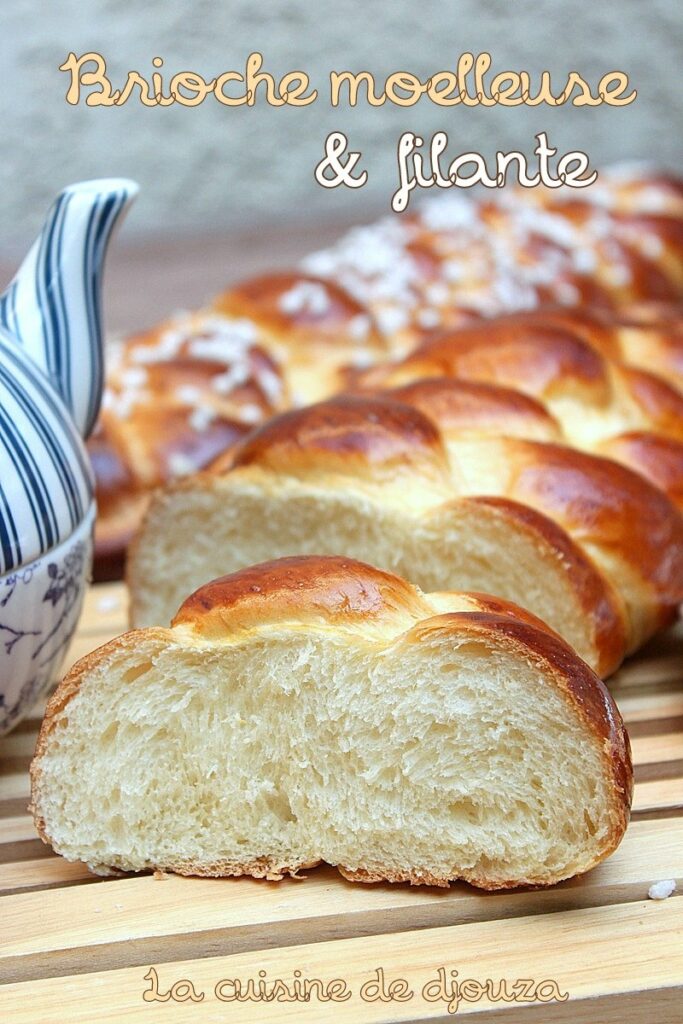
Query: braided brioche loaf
x=557, y=531
x=319, y=709
x=311, y=326
x=382, y=289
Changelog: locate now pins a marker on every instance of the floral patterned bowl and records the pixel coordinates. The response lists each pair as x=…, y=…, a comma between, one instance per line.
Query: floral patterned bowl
x=40, y=605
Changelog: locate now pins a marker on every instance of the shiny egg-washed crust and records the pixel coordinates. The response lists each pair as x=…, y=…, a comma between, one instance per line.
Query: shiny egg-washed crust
x=486, y=410
x=659, y=459
x=264, y=299
x=479, y=410
x=581, y=510
x=354, y=598
x=547, y=362
x=312, y=326
x=646, y=335
x=563, y=360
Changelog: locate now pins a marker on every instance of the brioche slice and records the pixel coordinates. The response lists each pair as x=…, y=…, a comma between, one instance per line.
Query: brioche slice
x=554, y=530
x=316, y=709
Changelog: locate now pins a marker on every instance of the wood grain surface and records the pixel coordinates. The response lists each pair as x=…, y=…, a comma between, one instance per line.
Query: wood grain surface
x=74, y=947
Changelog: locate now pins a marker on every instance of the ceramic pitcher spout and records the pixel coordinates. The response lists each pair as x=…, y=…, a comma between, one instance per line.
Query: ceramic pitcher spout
x=53, y=306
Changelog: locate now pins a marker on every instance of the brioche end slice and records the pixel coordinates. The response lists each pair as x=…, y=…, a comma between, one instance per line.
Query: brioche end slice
x=294, y=715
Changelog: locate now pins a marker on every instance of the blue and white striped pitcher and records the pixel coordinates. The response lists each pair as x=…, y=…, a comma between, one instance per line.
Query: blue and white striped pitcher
x=51, y=377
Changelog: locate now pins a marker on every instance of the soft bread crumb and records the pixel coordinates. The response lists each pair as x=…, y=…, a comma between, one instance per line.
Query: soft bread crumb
x=662, y=890
x=241, y=524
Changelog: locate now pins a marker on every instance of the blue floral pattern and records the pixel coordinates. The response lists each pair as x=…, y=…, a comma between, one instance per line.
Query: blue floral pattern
x=40, y=606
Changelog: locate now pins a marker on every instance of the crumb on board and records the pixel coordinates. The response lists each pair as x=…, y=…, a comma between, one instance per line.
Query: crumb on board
x=662, y=890
x=160, y=876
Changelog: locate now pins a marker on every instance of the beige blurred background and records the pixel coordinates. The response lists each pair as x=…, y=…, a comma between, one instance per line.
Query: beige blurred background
x=227, y=190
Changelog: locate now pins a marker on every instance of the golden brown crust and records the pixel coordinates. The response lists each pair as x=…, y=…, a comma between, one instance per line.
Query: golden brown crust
x=658, y=459
x=544, y=360
x=328, y=311
x=660, y=404
x=562, y=358
x=485, y=410
x=313, y=325
x=646, y=335
x=601, y=606
x=538, y=361
x=446, y=602
x=177, y=397
x=313, y=588
x=344, y=435
x=601, y=502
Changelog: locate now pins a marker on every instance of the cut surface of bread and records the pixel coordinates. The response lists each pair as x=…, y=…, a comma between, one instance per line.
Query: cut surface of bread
x=553, y=530
x=320, y=709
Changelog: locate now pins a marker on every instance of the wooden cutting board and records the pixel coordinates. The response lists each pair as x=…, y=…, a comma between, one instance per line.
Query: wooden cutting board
x=76, y=948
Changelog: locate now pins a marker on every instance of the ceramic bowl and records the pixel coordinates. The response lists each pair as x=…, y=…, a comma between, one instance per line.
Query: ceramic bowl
x=40, y=604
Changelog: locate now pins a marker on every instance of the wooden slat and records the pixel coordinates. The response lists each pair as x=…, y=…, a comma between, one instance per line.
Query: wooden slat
x=647, y=672
x=662, y=793
x=35, y=874
x=13, y=829
x=105, y=610
x=655, y=749
x=643, y=706
x=17, y=744
x=14, y=786
x=576, y=949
